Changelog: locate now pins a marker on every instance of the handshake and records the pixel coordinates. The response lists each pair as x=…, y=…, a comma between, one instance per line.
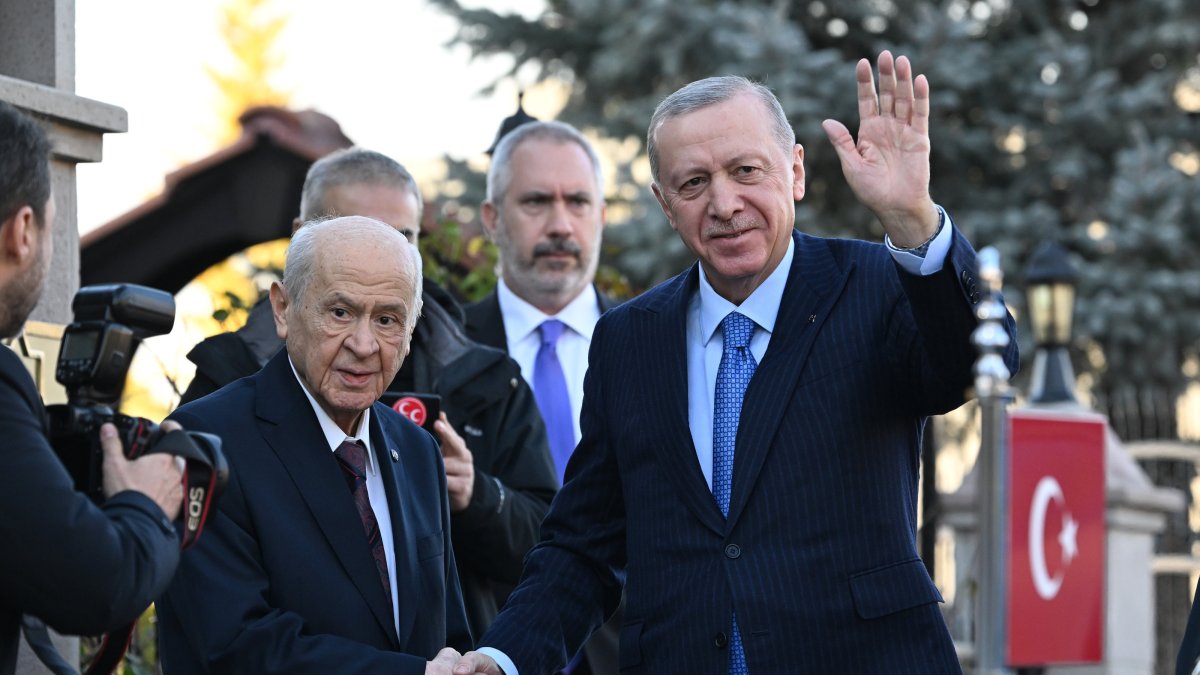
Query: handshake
x=450, y=662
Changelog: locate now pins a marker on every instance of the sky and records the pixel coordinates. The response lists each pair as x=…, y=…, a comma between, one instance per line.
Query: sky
x=381, y=68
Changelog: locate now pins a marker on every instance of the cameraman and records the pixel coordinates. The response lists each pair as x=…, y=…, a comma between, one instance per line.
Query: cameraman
x=80, y=568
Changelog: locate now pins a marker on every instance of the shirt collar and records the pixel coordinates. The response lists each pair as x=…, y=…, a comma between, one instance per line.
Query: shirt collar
x=334, y=436
x=522, y=318
x=762, y=307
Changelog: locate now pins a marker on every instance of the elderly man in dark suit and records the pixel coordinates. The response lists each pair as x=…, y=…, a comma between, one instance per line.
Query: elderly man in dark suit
x=752, y=428
x=498, y=468
x=331, y=552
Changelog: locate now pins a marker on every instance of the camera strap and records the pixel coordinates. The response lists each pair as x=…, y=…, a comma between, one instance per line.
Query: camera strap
x=204, y=476
x=106, y=659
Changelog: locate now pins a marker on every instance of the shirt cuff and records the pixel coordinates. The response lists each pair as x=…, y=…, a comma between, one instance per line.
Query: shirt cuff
x=935, y=254
x=501, y=659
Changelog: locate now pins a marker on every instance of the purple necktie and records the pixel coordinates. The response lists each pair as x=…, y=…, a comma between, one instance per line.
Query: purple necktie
x=550, y=390
x=352, y=456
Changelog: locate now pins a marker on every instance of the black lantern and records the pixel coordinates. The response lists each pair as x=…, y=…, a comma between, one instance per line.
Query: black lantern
x=1050, y=291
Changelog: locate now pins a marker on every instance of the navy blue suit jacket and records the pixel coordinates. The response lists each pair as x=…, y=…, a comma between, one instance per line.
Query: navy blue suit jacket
x=818, y=554
x=282, y=579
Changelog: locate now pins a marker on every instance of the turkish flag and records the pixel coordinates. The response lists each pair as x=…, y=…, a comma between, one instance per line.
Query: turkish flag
x=1056, y=538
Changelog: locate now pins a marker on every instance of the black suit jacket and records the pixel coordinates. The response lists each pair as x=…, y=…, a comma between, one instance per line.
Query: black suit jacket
x=81, y=569
x=282, y=579
x=818, y=553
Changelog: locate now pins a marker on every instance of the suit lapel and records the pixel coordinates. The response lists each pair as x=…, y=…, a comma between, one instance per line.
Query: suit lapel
x=814, y=284
x=290, y=427
x=665, y=327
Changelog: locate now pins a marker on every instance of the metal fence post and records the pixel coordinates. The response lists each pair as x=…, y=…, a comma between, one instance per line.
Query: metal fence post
x=994, y=396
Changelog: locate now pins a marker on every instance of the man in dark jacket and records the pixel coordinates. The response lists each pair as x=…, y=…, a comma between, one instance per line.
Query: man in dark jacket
x=499, y=473
x=80, y=568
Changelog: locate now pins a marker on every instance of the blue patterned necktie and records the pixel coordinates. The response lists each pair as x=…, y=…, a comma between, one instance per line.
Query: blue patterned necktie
x=733, y=376
x=550, y=390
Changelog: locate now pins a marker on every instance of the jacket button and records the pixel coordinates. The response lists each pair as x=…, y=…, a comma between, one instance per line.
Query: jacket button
x=513, y=383
x=720, y=640
x=966, y=278
x=733, y=551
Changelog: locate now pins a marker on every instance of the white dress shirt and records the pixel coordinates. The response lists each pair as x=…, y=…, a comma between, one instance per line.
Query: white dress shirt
x=521, y=322
x=705, y=312
x=334, y=436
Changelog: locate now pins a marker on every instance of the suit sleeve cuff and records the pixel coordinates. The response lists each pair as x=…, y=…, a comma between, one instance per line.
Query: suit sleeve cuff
x=935, y=254
x=487, y=500
x=133, y=500
x=501, y=660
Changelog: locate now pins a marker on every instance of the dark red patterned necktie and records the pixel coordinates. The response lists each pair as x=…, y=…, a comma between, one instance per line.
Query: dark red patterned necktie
x=353, y=458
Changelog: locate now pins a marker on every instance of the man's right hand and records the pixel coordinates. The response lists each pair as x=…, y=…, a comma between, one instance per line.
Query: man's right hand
x=474, y=663
x=157, y=476
x=443, y=662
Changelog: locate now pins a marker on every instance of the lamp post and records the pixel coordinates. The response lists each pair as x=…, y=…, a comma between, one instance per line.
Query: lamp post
x=512, y=122
x=1050, y=290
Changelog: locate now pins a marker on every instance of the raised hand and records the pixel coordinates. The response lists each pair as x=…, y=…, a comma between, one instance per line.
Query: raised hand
x=460, y=465
x=888, y=169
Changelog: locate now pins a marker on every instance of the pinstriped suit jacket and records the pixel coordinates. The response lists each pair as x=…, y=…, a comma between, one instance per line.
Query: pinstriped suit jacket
x=818, y=554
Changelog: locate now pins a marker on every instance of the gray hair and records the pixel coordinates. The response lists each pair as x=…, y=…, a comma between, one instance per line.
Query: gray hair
x=711, y=91
x=302, y=254
x=351, y=166
x=500, y=173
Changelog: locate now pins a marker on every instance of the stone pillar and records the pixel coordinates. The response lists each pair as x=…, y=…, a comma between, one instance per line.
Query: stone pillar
x=75, y=126
x=37, y=42
x=37, y=75
x=1136, y=513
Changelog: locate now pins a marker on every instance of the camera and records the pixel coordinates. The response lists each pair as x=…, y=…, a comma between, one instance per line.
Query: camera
x=97, y=348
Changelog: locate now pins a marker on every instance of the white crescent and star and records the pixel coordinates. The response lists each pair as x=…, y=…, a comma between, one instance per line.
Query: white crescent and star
x=1048, y=490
